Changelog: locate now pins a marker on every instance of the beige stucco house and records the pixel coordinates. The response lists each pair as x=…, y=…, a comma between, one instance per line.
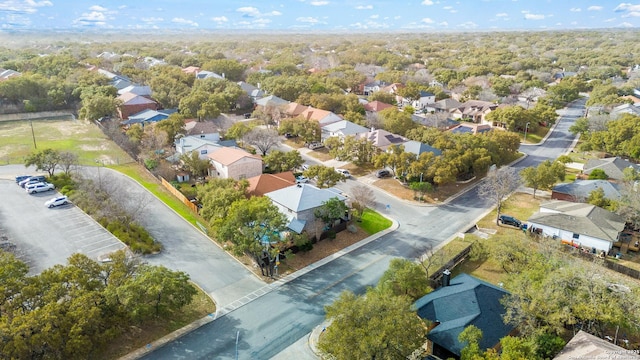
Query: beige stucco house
x=234, y=163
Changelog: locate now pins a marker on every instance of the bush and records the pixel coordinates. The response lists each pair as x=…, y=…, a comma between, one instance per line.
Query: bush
x=62, y=181
x=331, y=234
x=303, y=242
x=150, y=164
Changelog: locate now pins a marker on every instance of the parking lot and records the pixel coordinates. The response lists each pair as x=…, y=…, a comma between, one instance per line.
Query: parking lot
x=44, y=237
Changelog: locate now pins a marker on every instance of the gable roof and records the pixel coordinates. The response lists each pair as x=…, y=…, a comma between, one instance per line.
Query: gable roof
x=193, y=127
x=582, y=188
x=149, y=115
x=311, y=113
x=446, y=104
x=294, y=109
x=191, y=70
x=613, y=166
x=265, y=183
x=418, y=148
x=473, y=107
x=271, y=100
x=376, y=106
x=133, y=99
x=466, y=301
x=204, y=74
x=345, y=127
x=136, y=89
x=227, y=156
x=580, y=218
x=382, y=138
x=432, y=120
x=302, y=197
x=8, y=73
x=625, y=109
x=586, y=346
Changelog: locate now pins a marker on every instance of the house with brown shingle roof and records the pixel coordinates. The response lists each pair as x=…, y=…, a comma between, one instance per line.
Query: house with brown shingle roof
x=474, y=110
x=133, y=104
x=264, y=183
x=294, y=109
x=382, y=139
x=376, y=106
x=235, y=163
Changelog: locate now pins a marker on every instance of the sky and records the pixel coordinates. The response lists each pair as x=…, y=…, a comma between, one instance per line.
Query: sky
x=318, y=15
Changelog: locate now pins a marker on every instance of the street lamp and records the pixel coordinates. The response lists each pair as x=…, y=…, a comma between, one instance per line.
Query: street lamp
x=237, y=338
x=525, y=132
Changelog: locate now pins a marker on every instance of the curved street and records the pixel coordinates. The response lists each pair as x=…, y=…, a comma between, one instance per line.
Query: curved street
x=272, y=322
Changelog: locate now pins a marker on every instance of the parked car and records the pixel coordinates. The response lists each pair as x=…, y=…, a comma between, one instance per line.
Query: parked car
x=290, y=135
x=21, y=177
x=305, y=167
x=56, y=201
x=247, y=115
x=344, y=173
x=315, y=145
x=39, y=187
x=37, y=178
x=383, y=173
x=302, y=179
x=509, y=220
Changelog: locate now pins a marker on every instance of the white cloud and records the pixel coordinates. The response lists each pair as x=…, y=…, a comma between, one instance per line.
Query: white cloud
x=219, y=19
x=627, y=7
x=468, y=25
x=444, y=23
x=250, y=11
x=594, y=8
x=183, y=21
x=94, y=18
x=427, y=2
x=307, y=19
x=427, y=21
x=152, y=19
x=374, y=16
x=319, y=3
x=626, y=25
x=502, y=15
x=610, y=20
x=533, y=16
x=22, y=7
x=98, y=8
x=575, y=9
x=364, y=7
x=448, y=7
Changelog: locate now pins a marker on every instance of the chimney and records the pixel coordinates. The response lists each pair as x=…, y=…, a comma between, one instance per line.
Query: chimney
x=446, y=277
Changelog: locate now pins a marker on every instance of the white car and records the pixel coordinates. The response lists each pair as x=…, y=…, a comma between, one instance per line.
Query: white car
x=39, y=187
x=56, y=201
x=344, y=173
x=302, y=179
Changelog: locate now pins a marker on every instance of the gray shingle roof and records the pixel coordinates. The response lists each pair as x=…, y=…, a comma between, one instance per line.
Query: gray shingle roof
x=466, y=301
x=302, y=197
x=582, y=188
x=613, y=166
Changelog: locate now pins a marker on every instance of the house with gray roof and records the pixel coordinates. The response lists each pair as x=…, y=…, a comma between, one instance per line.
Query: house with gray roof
x=625, y=109
x=149, y=116
x=204, y=74
x=253, y=92
x=271, y=100
x=6, y=74
x=579, y=190
x=578, y=224
x=586, y=346
x=298, y=203
x=204, y=144
x=463, y=301
x=613, y=167
x=342, y=129
x=418, y=148
x=142, y=90
x=382, y=139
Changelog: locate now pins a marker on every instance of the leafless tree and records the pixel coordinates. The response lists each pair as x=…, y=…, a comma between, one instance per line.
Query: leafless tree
x=363, y=197
x=497, y=185
x=68, y=161
x=263, y=139
x=629, y=204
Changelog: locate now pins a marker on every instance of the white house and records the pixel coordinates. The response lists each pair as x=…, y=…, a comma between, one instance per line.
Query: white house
x=425, y=99
x=204, y=144
x=342, y=129
x=578, y=224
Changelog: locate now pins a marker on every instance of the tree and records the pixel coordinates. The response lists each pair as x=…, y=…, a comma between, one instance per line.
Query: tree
x=193, y=163
x=263, y=139
x=471, y=337
x=325, y=176
x=598, y=174
x=238, y=131
x=396, y=159
x=253, y=226
x=397, y=122
x=543, y=176
x=173, y=125
x=405, y=278
x=375, y=326
x=217, y=195
x=281, y=161
x=67, y=161
x=330, y=211
x=44, y=160
x=497, y=185
x=362, y=197
x=230, y=69
x=597, y=198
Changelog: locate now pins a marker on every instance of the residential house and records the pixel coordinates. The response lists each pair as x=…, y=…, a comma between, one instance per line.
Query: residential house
x=235, y=163
x=531, y=95
x=298, y=203
x=438, y=120
x=120, y=82
x=193, y=127
x=253, y=92
x=382, y=139
x=416, y=147
x=133, y=104
x=136, y=89
x=470, y=128
x=586, y=346
x=460, y=302
x=613, y=167
x=425, y=98
x=376, y=106
x=342, y=129
x=445, y=105
x=191, y=70
x=557, y=77
x=578, y=224
x=625, y=109
x=393, y=90
x=579, y=190
x=474, y=111
x=435, y=83
x=634, y=99
x=204, y=144
x=323, y=117
x=266, y=183
x=6, y=74
x=271, y=100
x=373, y=86
x=293, y=109
x=149, y=116
x=150, y=61
x=204, y=74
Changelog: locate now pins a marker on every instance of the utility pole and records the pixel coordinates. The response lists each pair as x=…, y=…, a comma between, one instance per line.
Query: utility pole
x=33, y=135
x=237, y=337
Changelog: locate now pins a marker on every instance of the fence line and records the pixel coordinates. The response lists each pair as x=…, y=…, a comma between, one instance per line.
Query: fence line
x=179, y=195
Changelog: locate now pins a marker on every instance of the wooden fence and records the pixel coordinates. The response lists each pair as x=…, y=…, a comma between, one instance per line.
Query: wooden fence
x=179, y=195
x=610, y=264
x=434, y=279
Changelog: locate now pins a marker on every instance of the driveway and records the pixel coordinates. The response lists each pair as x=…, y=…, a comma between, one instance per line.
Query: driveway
x=45, y=237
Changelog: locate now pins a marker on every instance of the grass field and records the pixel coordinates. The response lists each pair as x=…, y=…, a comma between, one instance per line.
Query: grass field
x=372, y=222
x=80, y=137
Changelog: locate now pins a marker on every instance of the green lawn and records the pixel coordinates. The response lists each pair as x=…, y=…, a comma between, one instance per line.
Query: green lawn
x=80, y=137
x=372, y=222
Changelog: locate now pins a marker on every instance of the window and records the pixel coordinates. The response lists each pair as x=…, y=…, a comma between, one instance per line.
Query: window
x=203, y=152
x=576, y=236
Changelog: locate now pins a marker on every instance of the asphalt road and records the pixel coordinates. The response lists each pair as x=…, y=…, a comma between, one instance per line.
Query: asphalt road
x=274, y=321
